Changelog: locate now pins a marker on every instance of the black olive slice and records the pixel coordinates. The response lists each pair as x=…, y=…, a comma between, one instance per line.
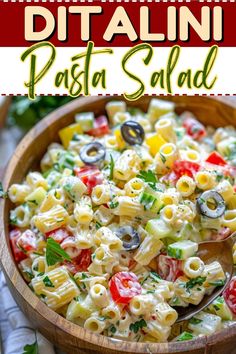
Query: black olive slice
x=211, y=204
x=132, y=133
x=129, y=236
x=92, y=153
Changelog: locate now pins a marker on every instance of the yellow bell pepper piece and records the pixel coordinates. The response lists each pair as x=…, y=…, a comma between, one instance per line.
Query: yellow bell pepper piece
x=119, y=138
x=66, y=134
x=155, y=142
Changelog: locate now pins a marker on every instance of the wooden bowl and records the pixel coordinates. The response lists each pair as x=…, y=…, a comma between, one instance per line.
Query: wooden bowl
x=66, y=335
x=4, y=107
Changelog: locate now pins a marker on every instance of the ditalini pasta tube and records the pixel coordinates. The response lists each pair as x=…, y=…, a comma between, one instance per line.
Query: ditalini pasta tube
x=51, y=219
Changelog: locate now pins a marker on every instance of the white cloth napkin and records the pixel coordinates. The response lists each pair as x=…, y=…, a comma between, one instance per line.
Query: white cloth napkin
x=16, y=330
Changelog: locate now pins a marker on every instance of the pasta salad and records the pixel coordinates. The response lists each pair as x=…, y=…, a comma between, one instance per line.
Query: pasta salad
x=107, y=233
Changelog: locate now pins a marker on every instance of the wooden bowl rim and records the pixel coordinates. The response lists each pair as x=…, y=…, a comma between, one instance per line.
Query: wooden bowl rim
x=42, y=309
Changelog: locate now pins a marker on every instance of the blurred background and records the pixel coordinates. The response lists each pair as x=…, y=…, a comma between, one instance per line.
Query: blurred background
x=18, y=115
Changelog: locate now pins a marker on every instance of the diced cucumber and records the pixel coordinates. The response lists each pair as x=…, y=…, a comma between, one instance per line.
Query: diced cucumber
x=185, y=233
x=67, y=160
x=86, y=120
x=147, y=200
x=52, y=177
x=157, y=206
x=151, y=201
x=204, y=323
x=220, y=308
x=158, y=228
x=182, y=249
x=155, y=191
x=80, y=307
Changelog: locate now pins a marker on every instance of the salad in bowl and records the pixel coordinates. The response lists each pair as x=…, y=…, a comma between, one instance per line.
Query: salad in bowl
x=107, y=232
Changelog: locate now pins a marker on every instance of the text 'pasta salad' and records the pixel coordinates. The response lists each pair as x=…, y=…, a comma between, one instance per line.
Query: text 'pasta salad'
x=107, y=233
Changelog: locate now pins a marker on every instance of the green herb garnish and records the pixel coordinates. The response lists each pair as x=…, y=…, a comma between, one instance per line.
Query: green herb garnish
x=220, y=299
x=13, y=220
x=3, y=194
x=150, y=178
x=98, y=225
x=163, y=159
x=54, y=253
x=175, y=300
x=202, y=200
x=31, y=348
x=135, y=327
x=84, y=276
x=113, y=329
x=29, y=274
x=112, y=164
x=155, y=276
x=33, y=202
x=219, y=177
x=216, y=307
x=192, y=282
x=195, y=321
x=143, y=281
x=40, y=274
x=47, y=282
x=218, y=282
x=185, y=336
x=113, y=205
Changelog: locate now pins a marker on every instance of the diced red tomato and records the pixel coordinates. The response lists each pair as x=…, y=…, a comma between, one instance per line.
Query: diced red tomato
x=100, y=128
x=186, y=168
x=27, y=241
x=230, y=295
x=58, y=235
x=19, y=255
x=80, y=263
x=169, y=268
x=91, y=176
x=193, y=127
x=221, y=234
x=216, y=159
x=124, y=286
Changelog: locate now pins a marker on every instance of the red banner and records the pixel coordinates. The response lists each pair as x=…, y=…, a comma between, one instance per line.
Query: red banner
x=12, y=23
